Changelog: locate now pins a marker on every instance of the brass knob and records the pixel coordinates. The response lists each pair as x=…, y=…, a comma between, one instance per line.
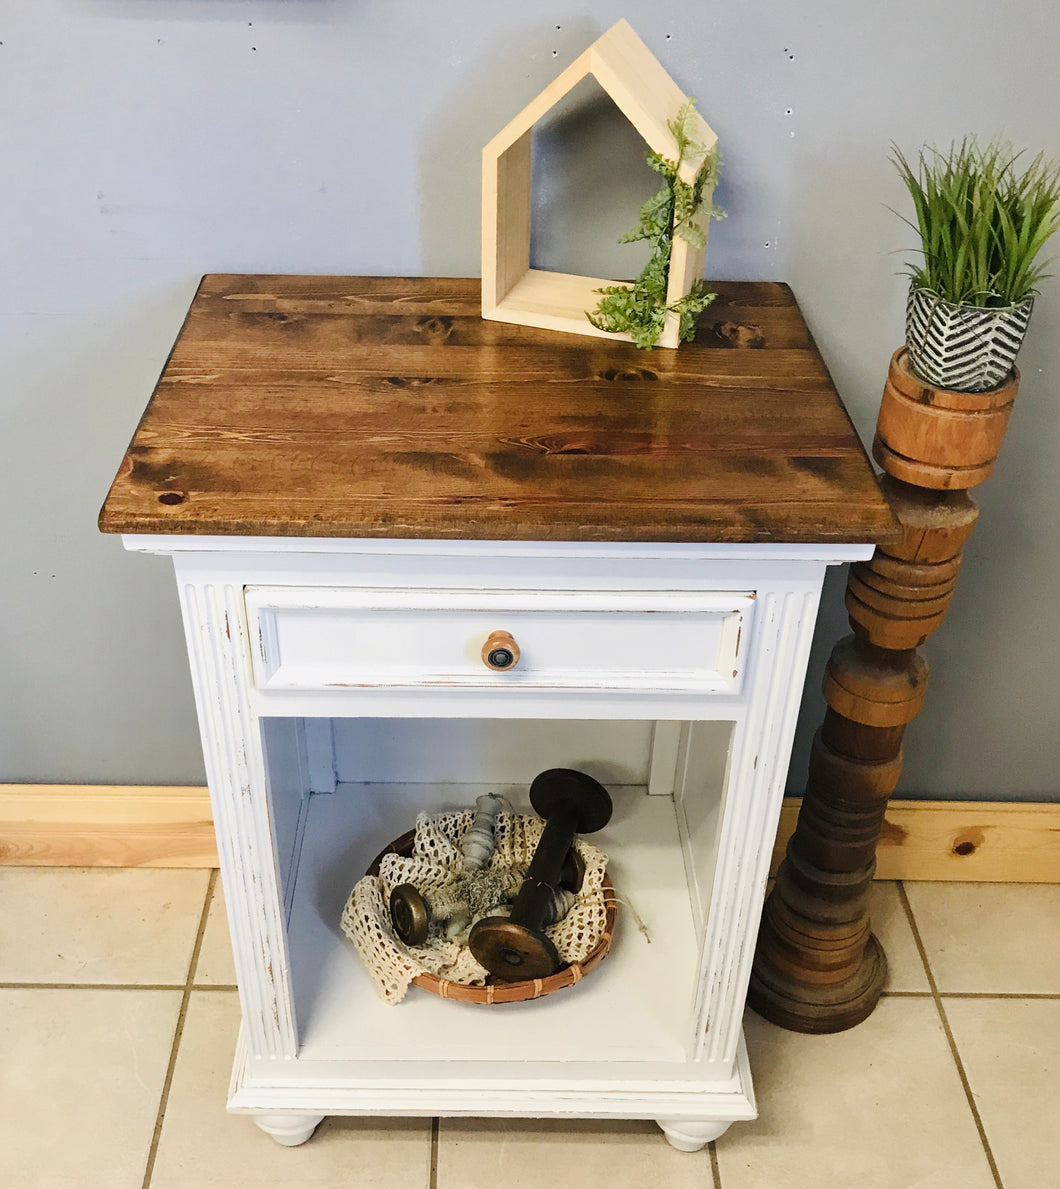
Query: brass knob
x=500, y=651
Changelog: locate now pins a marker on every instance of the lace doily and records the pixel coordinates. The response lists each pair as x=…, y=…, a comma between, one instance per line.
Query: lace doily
x=435, y=859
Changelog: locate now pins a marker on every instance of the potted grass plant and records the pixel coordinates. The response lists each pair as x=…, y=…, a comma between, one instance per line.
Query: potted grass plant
x=983, y=215
x=983, y=218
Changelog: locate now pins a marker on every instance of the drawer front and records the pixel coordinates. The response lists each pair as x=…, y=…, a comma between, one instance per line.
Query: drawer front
x=330, y=638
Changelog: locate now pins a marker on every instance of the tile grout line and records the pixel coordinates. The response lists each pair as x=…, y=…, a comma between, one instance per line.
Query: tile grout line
x=972, y=995
x=715, y=1168
x=961, y=1073
x=91, y=986
x=432, y=1175
x=999, y=995
x=178, y=1031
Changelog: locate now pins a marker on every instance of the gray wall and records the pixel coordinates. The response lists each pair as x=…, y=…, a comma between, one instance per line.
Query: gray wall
x=147, y=141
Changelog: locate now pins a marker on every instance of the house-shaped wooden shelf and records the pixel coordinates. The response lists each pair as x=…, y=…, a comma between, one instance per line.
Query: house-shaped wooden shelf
x=649, y=98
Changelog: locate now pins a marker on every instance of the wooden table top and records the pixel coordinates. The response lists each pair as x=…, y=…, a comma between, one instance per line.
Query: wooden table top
x=386, y=407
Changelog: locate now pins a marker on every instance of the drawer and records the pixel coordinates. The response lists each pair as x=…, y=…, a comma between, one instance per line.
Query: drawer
x=331, y=638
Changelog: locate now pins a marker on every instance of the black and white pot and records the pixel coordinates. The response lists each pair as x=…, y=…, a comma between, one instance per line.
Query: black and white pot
x=963, y=348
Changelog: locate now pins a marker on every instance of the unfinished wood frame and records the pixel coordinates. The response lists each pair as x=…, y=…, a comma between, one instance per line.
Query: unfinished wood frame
x=514, y=292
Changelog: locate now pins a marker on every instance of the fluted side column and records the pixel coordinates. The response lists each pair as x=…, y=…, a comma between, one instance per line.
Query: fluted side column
x=818, y=967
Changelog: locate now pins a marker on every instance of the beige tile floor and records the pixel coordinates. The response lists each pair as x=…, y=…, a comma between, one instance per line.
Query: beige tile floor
x=118, y=1016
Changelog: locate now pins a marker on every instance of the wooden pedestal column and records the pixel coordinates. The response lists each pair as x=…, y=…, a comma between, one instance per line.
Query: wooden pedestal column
x=818, y=968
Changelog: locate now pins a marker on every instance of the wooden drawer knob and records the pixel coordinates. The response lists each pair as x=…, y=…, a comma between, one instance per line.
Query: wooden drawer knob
x=500, y=651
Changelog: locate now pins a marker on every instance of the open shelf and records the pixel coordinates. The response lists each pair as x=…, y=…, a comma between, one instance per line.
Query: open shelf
x=634, y=1008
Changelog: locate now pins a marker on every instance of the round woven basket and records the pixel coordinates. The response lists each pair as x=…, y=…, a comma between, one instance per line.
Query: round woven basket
x=502, y=992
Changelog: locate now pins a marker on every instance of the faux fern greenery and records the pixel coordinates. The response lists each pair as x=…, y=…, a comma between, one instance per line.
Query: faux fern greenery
x=640, y=309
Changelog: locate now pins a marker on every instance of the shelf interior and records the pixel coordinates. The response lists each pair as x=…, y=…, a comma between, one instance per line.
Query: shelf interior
x=634, y=1007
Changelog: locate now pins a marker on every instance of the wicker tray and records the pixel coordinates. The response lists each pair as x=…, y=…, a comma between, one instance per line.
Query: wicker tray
x=504, y=992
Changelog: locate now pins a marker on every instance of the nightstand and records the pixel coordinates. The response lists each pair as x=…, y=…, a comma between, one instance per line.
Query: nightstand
x=359, y=480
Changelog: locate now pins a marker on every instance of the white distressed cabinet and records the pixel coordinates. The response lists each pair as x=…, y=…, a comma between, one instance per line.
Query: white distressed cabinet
x=358, y=481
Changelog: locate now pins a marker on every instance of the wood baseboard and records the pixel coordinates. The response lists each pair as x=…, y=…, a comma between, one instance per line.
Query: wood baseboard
x=64, y=825
x=79, y=825
x=991, y=841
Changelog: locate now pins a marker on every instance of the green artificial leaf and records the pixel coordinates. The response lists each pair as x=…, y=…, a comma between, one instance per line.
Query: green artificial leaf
x=662, y=164
x=684, y=128
x=640, y=309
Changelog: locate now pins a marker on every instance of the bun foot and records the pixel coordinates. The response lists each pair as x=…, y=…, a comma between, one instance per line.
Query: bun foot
x=289, y=1130
x=687, y=1135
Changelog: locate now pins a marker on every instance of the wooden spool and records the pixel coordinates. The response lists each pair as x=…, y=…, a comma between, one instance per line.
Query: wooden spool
x=901, y=602
x=938, y=438
x=842, y=779
x=890, y=622
x=814, y=964
x=935, y=524
x=834, y=892
x=822, y=842
x=885, y=632
x=829, y=954
x=860, y=743
x=912, y=573
x=898, y=598
x=825, y=938
x=905, y=582
x=872, y=687
x=847, y=903
x=516, y=947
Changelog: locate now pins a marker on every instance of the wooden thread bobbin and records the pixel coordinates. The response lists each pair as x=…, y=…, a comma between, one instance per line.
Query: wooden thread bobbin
x=515, y=948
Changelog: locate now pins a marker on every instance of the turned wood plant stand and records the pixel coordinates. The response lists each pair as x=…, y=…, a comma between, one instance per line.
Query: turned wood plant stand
x=818, y=968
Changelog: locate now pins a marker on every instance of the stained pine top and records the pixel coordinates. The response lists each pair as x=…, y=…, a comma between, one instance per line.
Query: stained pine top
x=386, y=407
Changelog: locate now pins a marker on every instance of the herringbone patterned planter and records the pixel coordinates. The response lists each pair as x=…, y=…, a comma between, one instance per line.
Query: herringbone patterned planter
x=963, y=348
